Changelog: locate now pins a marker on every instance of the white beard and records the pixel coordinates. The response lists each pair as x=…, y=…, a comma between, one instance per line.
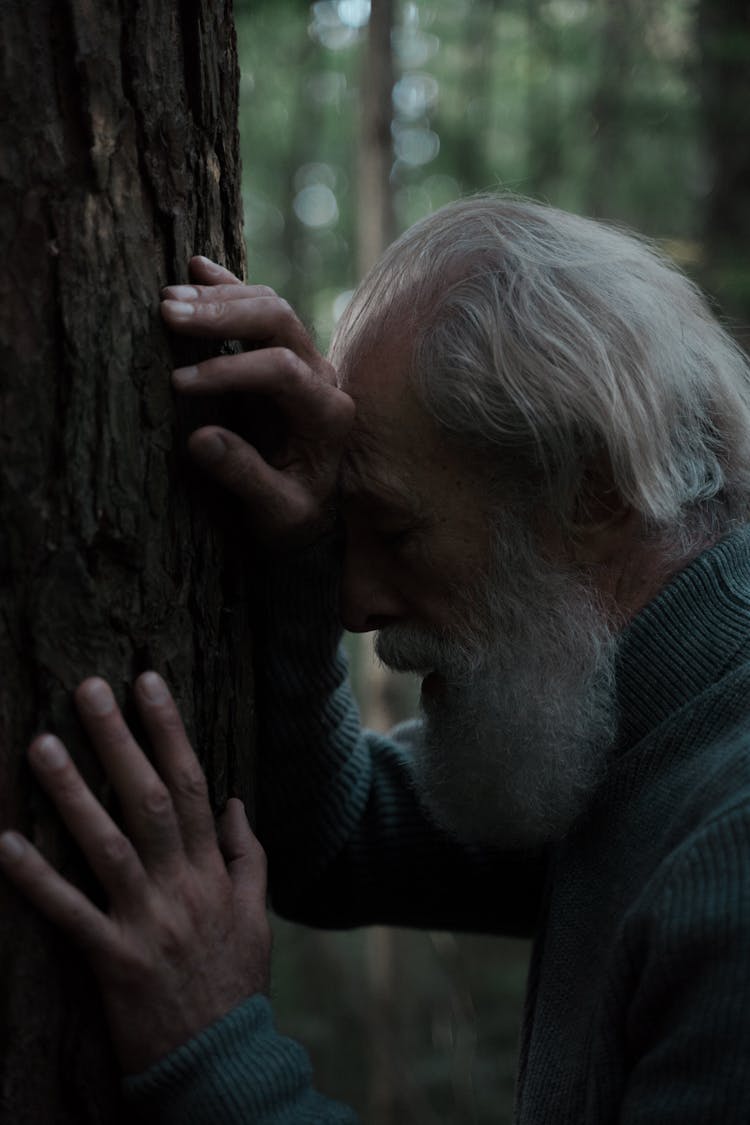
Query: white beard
x=517, y=734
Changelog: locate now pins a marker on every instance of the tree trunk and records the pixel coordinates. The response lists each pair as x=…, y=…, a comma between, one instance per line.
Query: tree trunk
x=119, y=160
x=723, y=36
x=545, y=134
x=609, y=104
x=375, y=217
x=470, y=143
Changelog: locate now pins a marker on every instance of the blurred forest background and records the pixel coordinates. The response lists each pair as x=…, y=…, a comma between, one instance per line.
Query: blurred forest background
x=355, y=123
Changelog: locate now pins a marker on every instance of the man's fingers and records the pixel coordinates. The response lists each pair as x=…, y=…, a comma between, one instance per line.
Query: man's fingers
x=288, y=496
x=262, y=320
x=246, y=865
x=178, y=765
x=213, y=293
x=278, y=501
x=111, y=856
x=147, y=807
x=242, y=851
x=62, y=903
x=312, y=404
x=236, y=838
x=210, y=272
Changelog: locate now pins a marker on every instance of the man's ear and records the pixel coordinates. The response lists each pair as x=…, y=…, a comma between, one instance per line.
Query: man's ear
x=602, y=522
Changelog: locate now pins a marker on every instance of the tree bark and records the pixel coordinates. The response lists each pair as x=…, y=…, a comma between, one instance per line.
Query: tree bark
x=119, y=160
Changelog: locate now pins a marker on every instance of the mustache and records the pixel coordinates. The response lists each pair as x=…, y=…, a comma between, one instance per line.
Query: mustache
x=408, y=648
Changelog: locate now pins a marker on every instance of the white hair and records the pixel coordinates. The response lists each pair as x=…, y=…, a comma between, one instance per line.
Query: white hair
x=561, y=344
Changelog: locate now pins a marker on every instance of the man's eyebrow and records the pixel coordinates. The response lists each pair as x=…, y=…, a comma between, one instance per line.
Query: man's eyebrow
x=376, y=491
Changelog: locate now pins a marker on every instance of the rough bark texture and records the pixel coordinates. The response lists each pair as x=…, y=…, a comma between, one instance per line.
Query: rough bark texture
x=119, y=160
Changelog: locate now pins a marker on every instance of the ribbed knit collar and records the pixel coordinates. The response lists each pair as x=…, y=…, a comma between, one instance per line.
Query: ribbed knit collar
x=692, y=633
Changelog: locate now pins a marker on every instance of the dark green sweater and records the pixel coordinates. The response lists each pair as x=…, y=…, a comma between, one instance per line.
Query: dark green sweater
x=638, y=1004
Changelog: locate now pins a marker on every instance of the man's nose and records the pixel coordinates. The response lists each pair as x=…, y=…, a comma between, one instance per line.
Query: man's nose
x=368, y=599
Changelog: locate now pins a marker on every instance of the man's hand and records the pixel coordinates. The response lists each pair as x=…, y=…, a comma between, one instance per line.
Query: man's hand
x=288, y=497
x=187, y=936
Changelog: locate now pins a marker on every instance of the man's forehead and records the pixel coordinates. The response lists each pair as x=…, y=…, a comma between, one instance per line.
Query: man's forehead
x=395, y=443
x=379, y=358
x=374, y=469
x=389, y=416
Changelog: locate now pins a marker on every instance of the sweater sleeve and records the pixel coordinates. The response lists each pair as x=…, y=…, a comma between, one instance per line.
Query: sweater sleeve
x=688, y=1030
x=347, y=839
x=238, y=1071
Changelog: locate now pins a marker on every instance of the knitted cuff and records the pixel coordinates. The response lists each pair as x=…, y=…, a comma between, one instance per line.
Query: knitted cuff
x=239, y=1069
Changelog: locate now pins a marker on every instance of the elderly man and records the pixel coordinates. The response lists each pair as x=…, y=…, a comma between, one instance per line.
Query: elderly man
x=532, y=477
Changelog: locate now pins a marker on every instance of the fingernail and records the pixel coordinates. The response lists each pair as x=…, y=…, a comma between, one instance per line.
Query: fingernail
x=98, y=698
x=180, y=309
x=49, y=751
x=11, y=845
x=153, y=687
x=182, y=292
x=211, y=449
x=183, y=375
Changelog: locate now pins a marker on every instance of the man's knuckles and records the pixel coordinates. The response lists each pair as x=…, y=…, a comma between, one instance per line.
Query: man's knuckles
x=290, y=372
x=241, y=312
x=188, y=786
x=291, y=516
x=154, y=802
x=234, y=469
x=116, y=854
x=337, y=412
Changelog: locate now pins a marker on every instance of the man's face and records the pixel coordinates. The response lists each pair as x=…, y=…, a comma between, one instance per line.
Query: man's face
x=417, y=524
x=516, y=653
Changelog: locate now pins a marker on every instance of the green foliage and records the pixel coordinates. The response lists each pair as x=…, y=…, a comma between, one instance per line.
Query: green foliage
x=298, y=108
x=593, y=105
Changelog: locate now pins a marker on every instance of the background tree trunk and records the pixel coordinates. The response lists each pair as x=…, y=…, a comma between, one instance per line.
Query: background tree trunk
x=119, y=160
x=375, y=216
x=544, y=103
x=723, y=38
x=609, y=103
